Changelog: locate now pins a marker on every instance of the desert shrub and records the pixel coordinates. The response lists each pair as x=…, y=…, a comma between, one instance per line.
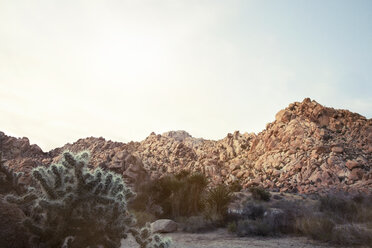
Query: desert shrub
x=277, y=197
x=317, y=227
x=341, y=207
x=359, y=198
x=291, y=211
x=260, y=194
x=172, y=196
x=143, y=218
x=197, y=224
x=182, y=174
x=249, y=227
x=235, y=186
x=217, y=200
x=258, y=219
x=197, y=184
x=279, y=220
x=250, y=210
x=253, y=211
x=85, y=208
x=232, y=227
x=351, y=234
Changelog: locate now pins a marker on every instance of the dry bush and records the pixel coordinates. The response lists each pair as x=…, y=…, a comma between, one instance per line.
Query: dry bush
x=143, y=217
x=351, y=234
x=235, y=186
x=338, y=218
x=258, y=219
x=260, y=194
x=249, y=227
x=172, y=196
x=316, y=227
x=197, y=224
x=341, y=207
x=232, y=227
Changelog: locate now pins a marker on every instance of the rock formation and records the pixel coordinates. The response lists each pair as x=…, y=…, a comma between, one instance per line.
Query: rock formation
x=307, y=148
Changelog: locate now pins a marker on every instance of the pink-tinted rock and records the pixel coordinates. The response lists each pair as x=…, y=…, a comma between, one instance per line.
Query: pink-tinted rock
x=351, y=164
x=337, y=149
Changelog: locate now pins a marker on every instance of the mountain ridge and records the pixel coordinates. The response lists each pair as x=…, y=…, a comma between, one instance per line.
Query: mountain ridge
x=308, y=148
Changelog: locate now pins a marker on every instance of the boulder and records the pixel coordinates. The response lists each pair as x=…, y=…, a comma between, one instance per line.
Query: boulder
x=337, y=149
x=164, y=226
x=351, y=164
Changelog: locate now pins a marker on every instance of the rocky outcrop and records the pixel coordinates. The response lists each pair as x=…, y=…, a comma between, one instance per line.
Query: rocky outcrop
x=307, y=148
x=105, y=154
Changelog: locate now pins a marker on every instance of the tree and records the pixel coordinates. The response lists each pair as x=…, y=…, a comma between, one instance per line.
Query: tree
x=82, y=208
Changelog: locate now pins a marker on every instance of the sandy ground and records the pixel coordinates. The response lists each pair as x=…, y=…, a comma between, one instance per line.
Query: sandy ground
x=222, y=239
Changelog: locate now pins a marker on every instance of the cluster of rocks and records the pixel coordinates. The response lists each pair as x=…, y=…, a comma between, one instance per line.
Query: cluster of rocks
x=308, y=148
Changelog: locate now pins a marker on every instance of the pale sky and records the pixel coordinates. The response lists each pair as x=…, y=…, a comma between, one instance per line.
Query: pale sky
x=122, y=69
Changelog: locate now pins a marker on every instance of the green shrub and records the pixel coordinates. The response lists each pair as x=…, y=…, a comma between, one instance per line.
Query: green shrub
x=85, y=208
x=232, y=227
x=260, y=194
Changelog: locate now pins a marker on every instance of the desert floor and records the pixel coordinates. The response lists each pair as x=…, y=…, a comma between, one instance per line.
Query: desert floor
x=222, y=239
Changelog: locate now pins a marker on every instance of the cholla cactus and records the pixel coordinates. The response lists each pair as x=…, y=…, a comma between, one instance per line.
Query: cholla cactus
x=9, y=181
x=82, y=208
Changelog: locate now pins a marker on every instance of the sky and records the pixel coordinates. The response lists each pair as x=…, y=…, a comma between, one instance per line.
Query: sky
x=122, y=69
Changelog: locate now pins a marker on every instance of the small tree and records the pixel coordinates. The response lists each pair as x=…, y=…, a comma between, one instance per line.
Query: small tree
x=82, y=208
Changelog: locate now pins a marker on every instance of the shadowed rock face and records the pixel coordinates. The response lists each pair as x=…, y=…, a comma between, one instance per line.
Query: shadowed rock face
x=307, y=148
x=12, y=234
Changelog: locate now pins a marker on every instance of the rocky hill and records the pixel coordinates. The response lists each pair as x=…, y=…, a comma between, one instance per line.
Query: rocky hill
x=307, y=148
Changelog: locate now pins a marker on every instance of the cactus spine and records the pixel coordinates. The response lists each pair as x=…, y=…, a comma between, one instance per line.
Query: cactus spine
x=9, y=182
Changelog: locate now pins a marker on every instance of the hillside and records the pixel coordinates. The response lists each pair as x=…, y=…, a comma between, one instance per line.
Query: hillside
x=307, y=148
